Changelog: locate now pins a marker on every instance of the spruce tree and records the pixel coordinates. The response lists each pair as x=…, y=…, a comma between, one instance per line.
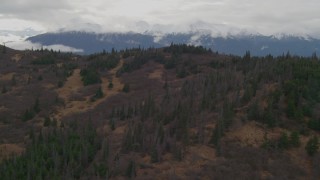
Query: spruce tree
x=4, y=49
x=312, y=145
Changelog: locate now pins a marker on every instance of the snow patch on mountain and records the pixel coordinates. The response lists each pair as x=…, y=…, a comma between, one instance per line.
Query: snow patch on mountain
x=264, y=47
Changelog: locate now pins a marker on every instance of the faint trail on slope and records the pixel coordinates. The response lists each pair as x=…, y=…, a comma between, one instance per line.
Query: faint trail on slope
x=71, y=86
x=117, y=84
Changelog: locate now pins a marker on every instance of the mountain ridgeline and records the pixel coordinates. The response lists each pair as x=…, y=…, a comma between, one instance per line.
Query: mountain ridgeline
x=258, y=45
x=178, y=112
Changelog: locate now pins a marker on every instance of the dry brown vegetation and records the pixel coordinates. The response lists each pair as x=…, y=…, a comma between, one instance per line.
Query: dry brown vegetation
x=117, y=84
x=7, y=77
x=74, y=85
x=158, y=73
x=16, y=57
x=188, y=114
x=7, y=150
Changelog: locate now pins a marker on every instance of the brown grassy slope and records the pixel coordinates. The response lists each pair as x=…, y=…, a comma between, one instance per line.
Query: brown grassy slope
x=74, y=85
x=241, y=154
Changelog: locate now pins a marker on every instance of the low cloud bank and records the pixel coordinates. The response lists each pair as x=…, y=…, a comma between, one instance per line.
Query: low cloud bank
x=24, y=45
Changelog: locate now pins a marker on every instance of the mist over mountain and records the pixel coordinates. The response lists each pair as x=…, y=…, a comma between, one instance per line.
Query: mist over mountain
x=257, y=44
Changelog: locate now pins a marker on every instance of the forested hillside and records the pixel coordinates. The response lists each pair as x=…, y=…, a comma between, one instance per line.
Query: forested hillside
x=179, y=112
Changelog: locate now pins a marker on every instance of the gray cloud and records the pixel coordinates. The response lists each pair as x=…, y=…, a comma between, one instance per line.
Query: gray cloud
x=23, y=7
x=219, y=16
x=23, y=45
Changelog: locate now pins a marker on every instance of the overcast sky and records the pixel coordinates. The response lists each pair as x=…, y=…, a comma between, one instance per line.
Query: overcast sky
x=263, y=16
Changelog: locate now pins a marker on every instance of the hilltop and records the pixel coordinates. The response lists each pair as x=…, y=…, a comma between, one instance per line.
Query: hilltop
x=177, y=112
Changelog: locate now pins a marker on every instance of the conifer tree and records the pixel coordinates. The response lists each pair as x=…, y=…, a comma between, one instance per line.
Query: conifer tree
x=312, y=145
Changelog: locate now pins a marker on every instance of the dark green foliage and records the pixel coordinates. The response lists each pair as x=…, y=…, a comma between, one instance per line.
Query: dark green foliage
x=47, y=122
x=54, y=154
x=253, y=111
x=303, y=86
x=103, y=61
x=314, y=124
x=131, y=169
x=248, y=94
x=134, y=138
x=40, y=78
x=105, y=150
x=217, y=64
x=4, y=90
x=13, y=80
x=181, y=72
x=172, y=62
x=295, y=139
x=227, y=114
x=161, y=132
x=4, y=119
x=70, y=67
x=61, y=124
x=126, y=88
x=45, y=60
x=126, y=54
x=307, y=110
x=140, y=58
x=90, y=76
x=222, y=125
x=275, y=98
x=154, y=155
x=247, y=56
x=112, y=124
x=291, y=108
x=312, y=145
x=99, y=94
x=217, y=134
x=267, y=144
x=28, y=115
x=269, y=117
x=66, y=70
x=135, y=64
x=128, y=140
x=263, y=89
x=32, y=134
x=304, y=130
x=4, y=49
x=110, y=86
x=183, y=48
x=36, y=106
x=178, y=152
x=101, y=170
x=54, y=122
x=165, y=86
x=284, y=142
x=60, y=84
x=29, y=80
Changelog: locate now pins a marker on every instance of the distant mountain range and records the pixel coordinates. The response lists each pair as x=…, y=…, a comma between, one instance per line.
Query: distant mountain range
x=238, y=44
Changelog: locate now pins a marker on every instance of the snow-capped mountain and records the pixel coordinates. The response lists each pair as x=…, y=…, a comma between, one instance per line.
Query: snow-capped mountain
x=238, y=44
